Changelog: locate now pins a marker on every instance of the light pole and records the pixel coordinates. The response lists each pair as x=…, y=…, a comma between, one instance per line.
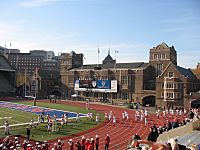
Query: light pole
x=116, y=58
x=36, y=87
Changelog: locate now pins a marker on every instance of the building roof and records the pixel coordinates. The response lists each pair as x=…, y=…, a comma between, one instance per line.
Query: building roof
x=164, y=45
x=185, y=72
x=108, y=58
x=118, y=65
x=196, y=72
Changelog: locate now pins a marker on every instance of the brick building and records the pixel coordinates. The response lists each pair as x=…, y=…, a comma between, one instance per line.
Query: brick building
x=159, y=82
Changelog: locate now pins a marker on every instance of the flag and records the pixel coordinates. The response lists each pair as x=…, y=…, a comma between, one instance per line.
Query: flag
x=98, y=50
x=116, y=51
x=10, y=44
x=84, y=56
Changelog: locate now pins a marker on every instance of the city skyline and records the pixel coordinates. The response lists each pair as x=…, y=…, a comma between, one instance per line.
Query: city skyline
x=129, y=27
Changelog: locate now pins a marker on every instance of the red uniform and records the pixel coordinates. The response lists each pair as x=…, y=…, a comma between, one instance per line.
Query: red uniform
x=71, y=144
x=87, y=143
x=90, y=147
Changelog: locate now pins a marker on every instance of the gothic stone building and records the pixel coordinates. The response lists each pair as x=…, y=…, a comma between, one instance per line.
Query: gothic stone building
x=160, y=82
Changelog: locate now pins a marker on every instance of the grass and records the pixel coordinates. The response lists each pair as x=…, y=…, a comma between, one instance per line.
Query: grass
x=17, y=116
x=40, y=132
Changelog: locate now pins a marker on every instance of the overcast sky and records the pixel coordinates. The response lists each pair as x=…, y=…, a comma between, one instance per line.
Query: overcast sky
x=131, y=27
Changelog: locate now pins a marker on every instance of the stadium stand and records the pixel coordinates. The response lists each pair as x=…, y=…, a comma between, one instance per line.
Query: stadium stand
x=7, y=77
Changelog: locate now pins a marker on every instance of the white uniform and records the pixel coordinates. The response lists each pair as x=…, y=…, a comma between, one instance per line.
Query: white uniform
x=114, y=121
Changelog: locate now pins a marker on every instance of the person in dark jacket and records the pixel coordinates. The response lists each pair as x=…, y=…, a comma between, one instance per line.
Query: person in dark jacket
x=78, y=145
x=152, y=135
x=169, y=125
x=28, y=132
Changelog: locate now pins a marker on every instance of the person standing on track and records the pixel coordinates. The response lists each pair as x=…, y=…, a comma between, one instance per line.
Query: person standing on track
x=107, y=142
x=87, y=104
x=97, y=142
x=106, y=116
x=87, y=144
x=71, y=144
x=145, y=122
x=83, y=140
x=78, y=145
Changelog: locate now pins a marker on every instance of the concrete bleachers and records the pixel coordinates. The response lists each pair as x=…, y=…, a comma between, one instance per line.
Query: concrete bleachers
x=185, y=134
x=191, y=138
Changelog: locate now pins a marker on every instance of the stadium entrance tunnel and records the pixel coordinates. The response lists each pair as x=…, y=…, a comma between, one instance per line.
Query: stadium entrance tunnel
x=195, y=103
x=148, y=101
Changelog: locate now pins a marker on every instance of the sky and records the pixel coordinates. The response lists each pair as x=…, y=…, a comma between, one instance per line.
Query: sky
x=130, y=27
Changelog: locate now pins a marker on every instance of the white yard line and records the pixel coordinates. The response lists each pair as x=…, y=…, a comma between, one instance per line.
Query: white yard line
x=19, y=124
x=16, y=114
x=43, y=108
x=5, y=118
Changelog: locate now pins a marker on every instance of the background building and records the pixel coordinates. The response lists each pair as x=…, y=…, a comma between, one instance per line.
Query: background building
x=160, y=82
x=30, y=61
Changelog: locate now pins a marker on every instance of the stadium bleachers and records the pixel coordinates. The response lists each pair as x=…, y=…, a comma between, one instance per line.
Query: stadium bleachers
x=6, y=87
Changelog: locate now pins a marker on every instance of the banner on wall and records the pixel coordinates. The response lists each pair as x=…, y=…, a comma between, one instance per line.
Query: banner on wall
x=96, y=86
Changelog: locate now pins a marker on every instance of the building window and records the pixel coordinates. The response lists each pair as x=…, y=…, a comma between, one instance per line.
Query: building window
x=124, y=80
x=159, y=68
x=124, y=95
x=170, y=74
x=163, y=56
x=162, y=95
x=170, y=95
x=155, y=56
x=170, y=85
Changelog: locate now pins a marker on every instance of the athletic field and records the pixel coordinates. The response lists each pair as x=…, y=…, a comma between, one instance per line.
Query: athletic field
x=20, y=114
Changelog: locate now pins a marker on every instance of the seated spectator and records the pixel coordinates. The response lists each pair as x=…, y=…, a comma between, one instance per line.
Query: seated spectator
x=136, y=137
x=169, y=125
x=152, y=135
x=164, y=127
x=160, y=130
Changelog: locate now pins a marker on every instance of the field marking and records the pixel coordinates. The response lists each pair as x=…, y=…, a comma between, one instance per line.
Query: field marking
x=43, y=108
x=16, y=121
x=19, y=124
x=46, y=108
x=5, y=118
x=18, y=114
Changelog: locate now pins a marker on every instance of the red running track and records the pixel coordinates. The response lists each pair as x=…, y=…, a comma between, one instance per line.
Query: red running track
x=120, y=134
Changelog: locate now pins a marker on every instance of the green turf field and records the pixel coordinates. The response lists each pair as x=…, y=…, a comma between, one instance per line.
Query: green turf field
x=15, y=116
x=40, y=133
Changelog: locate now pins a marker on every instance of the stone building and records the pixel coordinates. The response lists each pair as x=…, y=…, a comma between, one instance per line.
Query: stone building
x=159, y=82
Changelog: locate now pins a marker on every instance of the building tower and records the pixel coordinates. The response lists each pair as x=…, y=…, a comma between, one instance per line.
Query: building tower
x=161, y=55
